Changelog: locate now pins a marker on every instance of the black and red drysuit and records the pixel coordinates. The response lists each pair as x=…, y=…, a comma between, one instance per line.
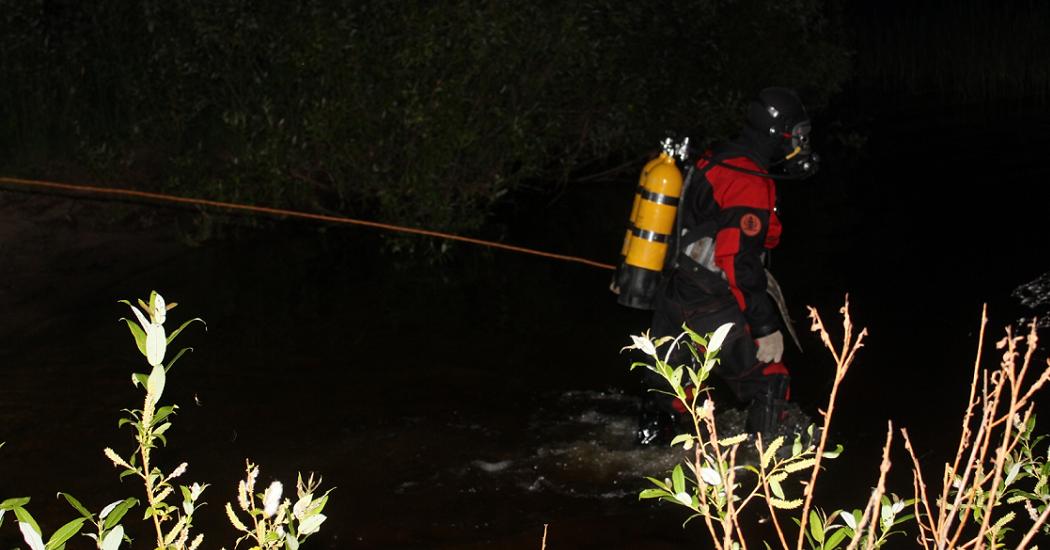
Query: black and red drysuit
x=727, y=223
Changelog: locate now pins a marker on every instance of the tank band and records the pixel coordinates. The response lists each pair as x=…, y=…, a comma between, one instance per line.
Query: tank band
x=650, y=236
x=659, y=199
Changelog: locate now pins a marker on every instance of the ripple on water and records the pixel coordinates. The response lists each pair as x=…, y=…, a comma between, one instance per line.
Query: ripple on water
x=581, y=444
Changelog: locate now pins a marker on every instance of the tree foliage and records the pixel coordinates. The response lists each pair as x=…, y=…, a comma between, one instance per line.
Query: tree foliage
x=417, y=112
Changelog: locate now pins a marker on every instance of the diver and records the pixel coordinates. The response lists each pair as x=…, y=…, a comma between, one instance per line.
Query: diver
x=726, y=224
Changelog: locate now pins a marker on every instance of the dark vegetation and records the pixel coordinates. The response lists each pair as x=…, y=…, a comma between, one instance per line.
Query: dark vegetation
x=428, y=114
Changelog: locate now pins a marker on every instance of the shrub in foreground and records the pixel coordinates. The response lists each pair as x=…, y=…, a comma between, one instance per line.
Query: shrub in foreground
x=995, y=492
x=269, y=520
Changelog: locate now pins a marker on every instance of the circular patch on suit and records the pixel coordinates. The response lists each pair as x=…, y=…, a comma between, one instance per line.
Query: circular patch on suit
x=751, y=225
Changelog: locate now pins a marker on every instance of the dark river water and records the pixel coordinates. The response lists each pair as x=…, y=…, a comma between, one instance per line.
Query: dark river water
x=467, y=402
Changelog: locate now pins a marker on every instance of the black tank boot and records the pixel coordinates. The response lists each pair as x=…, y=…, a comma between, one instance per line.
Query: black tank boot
x=656, y=426
x=768, y=408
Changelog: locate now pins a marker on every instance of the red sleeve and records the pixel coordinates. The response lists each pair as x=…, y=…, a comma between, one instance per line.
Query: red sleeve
x=747, y=227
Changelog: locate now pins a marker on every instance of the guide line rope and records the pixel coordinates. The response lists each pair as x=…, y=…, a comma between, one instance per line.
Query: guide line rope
x=294, y=214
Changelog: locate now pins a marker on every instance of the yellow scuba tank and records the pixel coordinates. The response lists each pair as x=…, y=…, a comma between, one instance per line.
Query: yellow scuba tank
x=650, y=229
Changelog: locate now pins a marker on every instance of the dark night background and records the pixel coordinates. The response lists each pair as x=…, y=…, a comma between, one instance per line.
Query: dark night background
x=455, y=396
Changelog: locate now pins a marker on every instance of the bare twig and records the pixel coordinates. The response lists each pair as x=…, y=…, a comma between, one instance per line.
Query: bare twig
x=733, y=513
x=964, y=439
x=843, y=361
x=925, y=525
x=871, y=510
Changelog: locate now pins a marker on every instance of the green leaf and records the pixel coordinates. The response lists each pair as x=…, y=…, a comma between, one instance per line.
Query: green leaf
x=835, y=453
x=653, y=493
x=694, y=378
x=77, y=506
x=311, y=524
x=176, y=358
x=184, y=325
x=836, y=538
x=676, y=381
x=665, y=370
x=139, y=379
x=318, y=505
x=114, y=517
x=65, y=533
x=678, y=479
x=686, y=439
x=137, y=332
x=776, y=489
x=696, y=338
x=163, y=413
x=816, y=527
x=903, y=519
x=12, y=503
x=24, y=516
x=659, y=483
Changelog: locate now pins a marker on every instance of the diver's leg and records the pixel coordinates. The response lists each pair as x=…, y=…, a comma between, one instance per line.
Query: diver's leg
x=659, y=412
x=764, y=387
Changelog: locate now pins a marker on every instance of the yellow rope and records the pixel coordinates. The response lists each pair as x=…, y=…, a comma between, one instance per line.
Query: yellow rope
x=293, y=214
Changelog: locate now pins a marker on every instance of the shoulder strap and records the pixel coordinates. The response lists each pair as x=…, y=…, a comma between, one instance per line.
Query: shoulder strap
x=693, y=171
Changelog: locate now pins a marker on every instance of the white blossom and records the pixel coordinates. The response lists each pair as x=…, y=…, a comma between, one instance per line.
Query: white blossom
x=272, y=498
x=643, y=343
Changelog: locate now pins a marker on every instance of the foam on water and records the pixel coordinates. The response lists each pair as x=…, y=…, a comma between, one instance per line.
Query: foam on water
x=581, y=444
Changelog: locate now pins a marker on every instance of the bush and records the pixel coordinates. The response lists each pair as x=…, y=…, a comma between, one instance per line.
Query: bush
x=418, y=113
x=272, y=523
x=997, y=477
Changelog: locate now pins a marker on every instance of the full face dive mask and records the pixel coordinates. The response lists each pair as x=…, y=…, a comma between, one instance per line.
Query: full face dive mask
x=801, y=162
